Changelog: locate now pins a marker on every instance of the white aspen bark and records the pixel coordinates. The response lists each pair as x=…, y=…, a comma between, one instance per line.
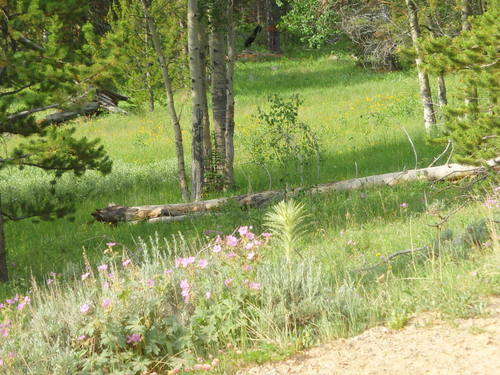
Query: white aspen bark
x=207, y=141
x=4, y=275
x=195, y=68
x=181, y=170
x=219, y=84
x=423, y=78
x=229, y=134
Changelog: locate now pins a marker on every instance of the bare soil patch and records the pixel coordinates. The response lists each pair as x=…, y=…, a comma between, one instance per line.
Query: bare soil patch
x=426, y=345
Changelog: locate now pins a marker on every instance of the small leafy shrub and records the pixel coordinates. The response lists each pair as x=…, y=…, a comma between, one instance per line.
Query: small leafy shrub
x=281, y=138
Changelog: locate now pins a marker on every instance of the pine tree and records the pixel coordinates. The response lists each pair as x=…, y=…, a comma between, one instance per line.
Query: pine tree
x=475, y=58
x=43, y=65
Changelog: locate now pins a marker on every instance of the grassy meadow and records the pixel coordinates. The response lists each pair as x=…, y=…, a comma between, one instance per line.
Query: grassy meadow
x=359, y=116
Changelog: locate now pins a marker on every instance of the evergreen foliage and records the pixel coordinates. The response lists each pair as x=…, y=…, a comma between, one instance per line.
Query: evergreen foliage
x=125, y=58
x=474, y=125
x=43, y=65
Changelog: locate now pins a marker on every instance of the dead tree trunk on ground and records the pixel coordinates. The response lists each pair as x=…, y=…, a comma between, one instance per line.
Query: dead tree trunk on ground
x=116, y=213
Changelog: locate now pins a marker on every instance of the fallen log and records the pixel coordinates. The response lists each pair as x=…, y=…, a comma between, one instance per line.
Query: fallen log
x=116, y=213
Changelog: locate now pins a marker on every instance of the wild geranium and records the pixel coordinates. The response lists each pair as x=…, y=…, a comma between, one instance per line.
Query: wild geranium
x=85, y=308
x=134, y=338
x=85, y=275
x=231, y=241
x=202, y=263
x=243, y=230
x=185, y=290
x=184, y=262
x=110, y=244
x=103, y=267
x=150, y=283
x=106, y=303
x=217, y=248
x=126, y=262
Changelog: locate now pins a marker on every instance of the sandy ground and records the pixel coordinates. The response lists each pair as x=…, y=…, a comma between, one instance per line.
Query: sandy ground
x=425, y=346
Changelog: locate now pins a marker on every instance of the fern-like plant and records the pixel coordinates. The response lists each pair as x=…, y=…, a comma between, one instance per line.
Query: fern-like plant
x=286, y=221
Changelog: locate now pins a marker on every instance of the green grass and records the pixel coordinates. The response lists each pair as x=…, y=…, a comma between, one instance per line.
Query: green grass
x=358, y=114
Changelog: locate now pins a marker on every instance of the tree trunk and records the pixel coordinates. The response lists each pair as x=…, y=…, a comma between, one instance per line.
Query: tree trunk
x=229, y=135
x=443, y=101
x=195, y=68
x=147, y=76
x=273, y=18
x=181, y=170
x=423, y=78
x=114, y=213
x=207, y=139
x=442, y=98
x=218, y=88
x=4, y=275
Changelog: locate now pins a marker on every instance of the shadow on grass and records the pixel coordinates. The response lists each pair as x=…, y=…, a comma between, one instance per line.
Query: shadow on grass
x=273, y=76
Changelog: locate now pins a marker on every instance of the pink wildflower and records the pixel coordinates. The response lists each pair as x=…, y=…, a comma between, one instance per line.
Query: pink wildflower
x=50, y=281
x=202, y=367
x=110, y=244
x=228, y=282
x=208, y=295
x=217, y=248
x=134, y=338
x=231, y=241
x=81, y=338
x=251, y=255
x=185, y=290
x=1, y=362
x=247, y=267
x=255, y=286
x=106, y=302
x=250, y=236
x=230, y=255
x=126, y=262
x=403, y=205
x=102, y=267
x=491, y=203
x=243, y=230
x=202, y=263
x=184, y=262
x=266, y=235
x=249, y=245
x=84, y=308
x=150, y=283
x=85, y=275
x=168, y=272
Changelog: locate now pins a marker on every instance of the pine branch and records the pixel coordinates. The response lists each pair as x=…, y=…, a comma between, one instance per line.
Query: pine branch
x=13, y=92
x=28, y=112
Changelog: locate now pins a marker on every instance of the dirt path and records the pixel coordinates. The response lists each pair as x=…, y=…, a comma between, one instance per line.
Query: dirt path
x=425, y=346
